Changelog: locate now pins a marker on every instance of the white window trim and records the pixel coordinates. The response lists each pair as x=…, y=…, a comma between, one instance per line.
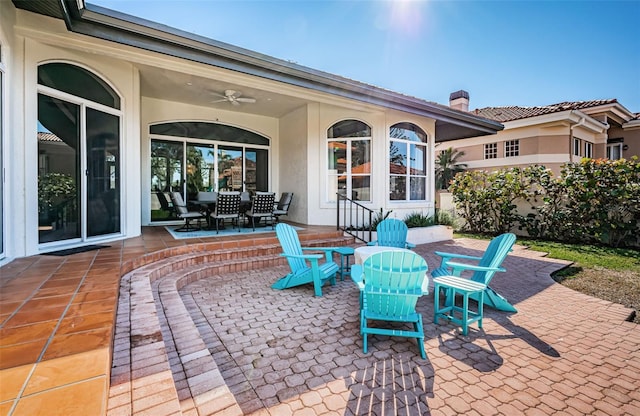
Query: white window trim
x=588, y=149
x=493, y=149
x=3, y=153
x=408, y=175
x=329, y=198
x=577, y=146
x=614, y=145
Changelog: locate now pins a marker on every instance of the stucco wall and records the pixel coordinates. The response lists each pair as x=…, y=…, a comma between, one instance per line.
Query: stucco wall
x=292, y=163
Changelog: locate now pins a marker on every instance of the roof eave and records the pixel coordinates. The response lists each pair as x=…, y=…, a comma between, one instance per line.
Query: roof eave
x=121, y=28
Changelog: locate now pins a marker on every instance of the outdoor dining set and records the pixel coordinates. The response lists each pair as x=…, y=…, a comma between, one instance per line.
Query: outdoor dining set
x=219, y=207
x=391, y=278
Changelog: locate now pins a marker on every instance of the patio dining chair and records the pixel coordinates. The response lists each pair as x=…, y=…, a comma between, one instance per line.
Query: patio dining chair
x=183, y=212
x=391, y=233
x=390, y=283
x=261, y=208
x=305, y=268
x=282, y=206
x=227, y=208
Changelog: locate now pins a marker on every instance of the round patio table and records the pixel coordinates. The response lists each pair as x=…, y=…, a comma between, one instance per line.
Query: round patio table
x=362, y=253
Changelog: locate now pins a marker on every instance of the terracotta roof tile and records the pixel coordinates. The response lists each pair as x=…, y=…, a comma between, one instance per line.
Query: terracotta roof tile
x=510, y=113
x=48, y=137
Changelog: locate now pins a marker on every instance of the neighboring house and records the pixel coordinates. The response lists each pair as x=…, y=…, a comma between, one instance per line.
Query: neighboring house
x=128, y=110
x=550, y=135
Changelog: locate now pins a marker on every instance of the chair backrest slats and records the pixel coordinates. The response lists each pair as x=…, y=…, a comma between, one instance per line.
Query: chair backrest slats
x=263, y=203
x=495, y=254
x=393, y=282
x=228, y=203
x=392, y=233
x=290, y=243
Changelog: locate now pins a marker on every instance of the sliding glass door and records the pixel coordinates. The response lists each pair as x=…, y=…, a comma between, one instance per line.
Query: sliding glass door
x=166, y=176
x=78, y=181
x=191, y=166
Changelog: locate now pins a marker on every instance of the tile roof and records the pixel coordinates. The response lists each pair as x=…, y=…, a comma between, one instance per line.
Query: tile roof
x=510, y=113
x=48, y=137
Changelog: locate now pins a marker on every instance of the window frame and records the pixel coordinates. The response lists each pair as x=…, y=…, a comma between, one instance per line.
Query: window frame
x=610, y=147
x=411, y=148
x=512, y=148
x=491, y=150
x=3, y=117
x=577, y=146
x=588, y=149
x=331, y=177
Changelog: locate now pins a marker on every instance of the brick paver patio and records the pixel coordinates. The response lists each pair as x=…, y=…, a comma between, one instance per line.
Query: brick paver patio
x=288, y=352
x=192, y=327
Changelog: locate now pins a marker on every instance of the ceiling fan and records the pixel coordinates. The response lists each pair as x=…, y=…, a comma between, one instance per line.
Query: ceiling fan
x=233, y=97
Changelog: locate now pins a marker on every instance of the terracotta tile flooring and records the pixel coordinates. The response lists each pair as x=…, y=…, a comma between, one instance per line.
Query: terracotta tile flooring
x=563, y=353
x=57, y=319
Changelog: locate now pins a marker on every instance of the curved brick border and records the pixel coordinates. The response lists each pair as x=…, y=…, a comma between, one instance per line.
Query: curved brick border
x=160, y=365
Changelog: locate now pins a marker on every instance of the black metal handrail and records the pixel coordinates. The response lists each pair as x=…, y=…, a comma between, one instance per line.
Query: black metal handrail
x=354, y=219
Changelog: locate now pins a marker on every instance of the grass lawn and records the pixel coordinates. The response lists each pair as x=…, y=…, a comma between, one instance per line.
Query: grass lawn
x=607, y=273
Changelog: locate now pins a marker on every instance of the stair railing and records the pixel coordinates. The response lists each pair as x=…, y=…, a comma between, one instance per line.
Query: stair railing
x=354, y=219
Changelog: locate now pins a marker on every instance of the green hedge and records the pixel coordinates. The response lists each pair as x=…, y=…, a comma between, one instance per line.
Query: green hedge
x=593, y=201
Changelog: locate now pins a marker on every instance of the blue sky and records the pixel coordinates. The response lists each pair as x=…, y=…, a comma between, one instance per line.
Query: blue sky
x=524, y=53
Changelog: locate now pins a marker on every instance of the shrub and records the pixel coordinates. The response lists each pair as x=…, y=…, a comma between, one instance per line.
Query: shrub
x=593, y=201
x=418, y=219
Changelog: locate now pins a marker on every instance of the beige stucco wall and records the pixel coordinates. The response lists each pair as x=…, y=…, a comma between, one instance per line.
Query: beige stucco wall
x=631, y=138
x=292, y=157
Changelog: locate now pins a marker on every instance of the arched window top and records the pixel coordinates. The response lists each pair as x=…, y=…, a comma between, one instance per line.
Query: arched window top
x=349, y=128
x=408, y=131
x=209, y=131
x=79, y=82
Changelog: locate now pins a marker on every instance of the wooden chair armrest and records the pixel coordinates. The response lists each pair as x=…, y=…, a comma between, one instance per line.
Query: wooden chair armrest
x=456, y=256
x=303, y=256
x=357, y=275
x=459, y=267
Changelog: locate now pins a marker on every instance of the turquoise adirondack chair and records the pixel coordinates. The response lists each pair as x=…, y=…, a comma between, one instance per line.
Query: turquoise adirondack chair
x=392, y=233
x=486, y=267
x=390, y=283
x=305, y=268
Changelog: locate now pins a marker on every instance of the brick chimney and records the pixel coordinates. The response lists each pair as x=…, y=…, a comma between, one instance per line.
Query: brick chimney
x=459, y=100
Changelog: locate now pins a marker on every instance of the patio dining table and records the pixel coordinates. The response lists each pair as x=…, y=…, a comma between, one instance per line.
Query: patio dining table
x=210, y=206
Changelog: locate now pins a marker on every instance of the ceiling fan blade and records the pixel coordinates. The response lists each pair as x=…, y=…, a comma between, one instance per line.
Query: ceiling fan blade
x=219, y=101
x=246, y=100
x=234, y=102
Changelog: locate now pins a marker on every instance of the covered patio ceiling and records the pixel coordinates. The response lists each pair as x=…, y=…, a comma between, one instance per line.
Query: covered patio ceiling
x=203, y=91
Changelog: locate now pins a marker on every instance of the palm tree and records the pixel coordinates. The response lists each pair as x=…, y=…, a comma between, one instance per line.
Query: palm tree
x=447, y=166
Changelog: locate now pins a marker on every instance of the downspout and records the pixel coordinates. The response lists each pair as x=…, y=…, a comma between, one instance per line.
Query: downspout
x=571, y=127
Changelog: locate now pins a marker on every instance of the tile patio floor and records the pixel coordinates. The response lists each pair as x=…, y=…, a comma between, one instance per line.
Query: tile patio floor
x=287, y=352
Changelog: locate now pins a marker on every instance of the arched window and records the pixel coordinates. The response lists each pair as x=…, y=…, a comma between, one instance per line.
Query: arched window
x=79, y=164
x=199, y=156
x=407, y=163
x=349, y=160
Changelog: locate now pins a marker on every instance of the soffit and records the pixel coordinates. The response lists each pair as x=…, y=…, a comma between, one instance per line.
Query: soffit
x=44, y=7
